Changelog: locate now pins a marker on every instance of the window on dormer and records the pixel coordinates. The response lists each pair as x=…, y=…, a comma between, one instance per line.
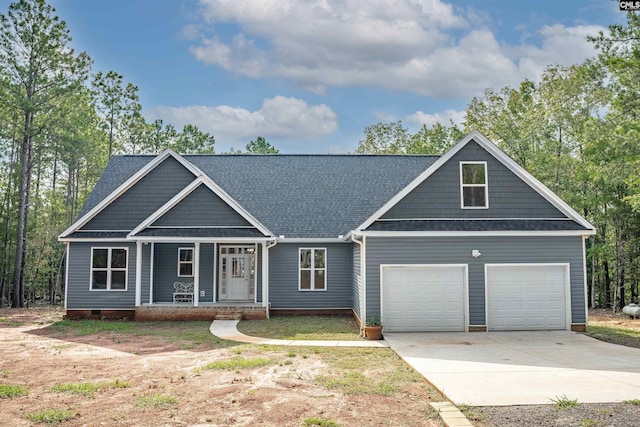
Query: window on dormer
x=473, y=185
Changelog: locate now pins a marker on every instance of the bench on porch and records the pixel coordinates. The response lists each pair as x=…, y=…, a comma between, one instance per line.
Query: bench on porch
x=182, y=292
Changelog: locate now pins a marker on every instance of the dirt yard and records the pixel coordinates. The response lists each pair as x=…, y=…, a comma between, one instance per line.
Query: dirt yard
x=149, y=381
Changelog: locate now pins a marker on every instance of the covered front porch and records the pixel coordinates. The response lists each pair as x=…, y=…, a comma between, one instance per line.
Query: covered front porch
x=200, y=278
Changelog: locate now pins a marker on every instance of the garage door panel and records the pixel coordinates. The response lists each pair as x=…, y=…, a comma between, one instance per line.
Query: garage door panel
x=423, y=298
x=526, y=297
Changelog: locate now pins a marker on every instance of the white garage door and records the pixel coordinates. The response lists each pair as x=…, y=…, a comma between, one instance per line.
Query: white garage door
x=423, y=297
x=526, y=297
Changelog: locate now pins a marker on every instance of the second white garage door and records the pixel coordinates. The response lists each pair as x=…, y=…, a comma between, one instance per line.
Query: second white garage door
x=423, y=297
x=526, y=296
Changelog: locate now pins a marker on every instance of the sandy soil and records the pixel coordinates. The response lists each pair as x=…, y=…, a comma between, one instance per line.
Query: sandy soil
x=282, y=394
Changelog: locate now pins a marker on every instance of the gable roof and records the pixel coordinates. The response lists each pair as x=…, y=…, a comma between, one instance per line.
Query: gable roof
x=304, y=196
x=117, y=180
x=298, y=196
x=499, y=155
x=198, y=182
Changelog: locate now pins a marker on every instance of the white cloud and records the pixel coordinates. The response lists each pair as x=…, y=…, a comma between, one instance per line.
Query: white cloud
x=278, y=117
x=421, y=46
x=443, y=117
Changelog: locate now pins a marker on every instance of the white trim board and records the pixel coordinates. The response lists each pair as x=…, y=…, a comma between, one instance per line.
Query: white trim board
x=499, y=155
x=474, y=233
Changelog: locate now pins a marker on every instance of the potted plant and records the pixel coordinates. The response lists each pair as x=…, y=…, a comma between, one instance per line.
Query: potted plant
x=373, y=328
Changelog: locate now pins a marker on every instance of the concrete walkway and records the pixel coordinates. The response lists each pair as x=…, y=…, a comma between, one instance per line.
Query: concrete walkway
x=227, y=330
x=521, y=368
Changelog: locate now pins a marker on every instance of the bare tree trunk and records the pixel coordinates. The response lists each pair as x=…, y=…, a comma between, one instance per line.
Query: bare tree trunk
x=17, y=293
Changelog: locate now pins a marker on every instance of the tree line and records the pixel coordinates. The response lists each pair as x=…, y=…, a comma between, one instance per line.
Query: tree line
x=577, y=130
x=59, y=125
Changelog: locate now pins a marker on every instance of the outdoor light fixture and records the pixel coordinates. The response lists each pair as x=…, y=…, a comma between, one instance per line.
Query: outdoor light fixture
x=475, y=253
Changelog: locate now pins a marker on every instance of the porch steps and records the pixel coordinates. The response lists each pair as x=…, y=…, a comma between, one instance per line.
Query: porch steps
x=228, y=316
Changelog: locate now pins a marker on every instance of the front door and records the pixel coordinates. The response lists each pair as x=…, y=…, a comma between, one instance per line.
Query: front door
x=237, y=273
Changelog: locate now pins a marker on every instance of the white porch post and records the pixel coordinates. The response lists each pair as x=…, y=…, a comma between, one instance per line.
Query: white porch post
x=265, y=276
x=196, y=274
x=151, y=268
x=138, y=273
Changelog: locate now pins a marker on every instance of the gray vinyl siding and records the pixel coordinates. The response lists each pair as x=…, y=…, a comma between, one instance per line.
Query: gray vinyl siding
x=283, y=277
x=145, y=197
x=357, y=279
x=202, y=208
x=206, y=272
x=439, y=195
x=457, y=250
x=79, y=294
x=166, y=271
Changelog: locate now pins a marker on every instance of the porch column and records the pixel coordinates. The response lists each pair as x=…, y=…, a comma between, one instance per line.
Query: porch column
x=196, y=274
x=265, y=275
x=138, y=273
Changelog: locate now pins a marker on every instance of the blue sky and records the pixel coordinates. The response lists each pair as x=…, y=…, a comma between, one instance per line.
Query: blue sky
x=310, y=75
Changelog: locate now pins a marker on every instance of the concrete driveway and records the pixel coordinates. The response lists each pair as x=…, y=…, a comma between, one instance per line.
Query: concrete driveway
x=519, y=368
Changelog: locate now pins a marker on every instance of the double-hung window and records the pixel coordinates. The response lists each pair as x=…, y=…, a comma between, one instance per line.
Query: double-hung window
x=473, y=185
x=185, y=262
x=109, y=269
x=313, y=269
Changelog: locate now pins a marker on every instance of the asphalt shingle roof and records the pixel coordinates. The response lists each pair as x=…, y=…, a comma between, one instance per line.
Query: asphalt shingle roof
x=292, y=195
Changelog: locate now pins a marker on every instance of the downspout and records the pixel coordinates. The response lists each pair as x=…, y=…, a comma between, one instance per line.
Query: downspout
x=265, y=274
x=363, y=282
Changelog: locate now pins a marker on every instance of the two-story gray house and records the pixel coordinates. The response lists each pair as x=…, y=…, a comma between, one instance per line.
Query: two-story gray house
x=466, y=241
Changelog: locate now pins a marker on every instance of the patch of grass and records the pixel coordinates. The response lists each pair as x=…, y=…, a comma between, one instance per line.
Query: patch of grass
x=118, y=383
x=470, y=413
x=237, y=363
x=84, y=389
x=356, y=383
x=185, y=334
x=633, y=402
x=588, y=422
x=9, y=391
x=8, y=323
x=320, y=422
x=614, y=335
x=343, y=328
x=563, y=402
x=51, y=416
x=155, y=400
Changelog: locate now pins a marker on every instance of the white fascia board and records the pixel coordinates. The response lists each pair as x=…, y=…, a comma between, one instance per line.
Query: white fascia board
x=311, y=240
x=501, y=157
x=94, y=239
x=476, y=233
x=235, y=205
x=169, y=239
x=127, y=185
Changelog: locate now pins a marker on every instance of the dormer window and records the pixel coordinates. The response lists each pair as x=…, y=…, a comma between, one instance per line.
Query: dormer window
x=473, y=185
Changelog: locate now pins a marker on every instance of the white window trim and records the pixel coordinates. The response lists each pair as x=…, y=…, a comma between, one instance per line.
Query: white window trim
x=186, y=262
x=109, y=269
x=485, y=185
x=312, y=270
